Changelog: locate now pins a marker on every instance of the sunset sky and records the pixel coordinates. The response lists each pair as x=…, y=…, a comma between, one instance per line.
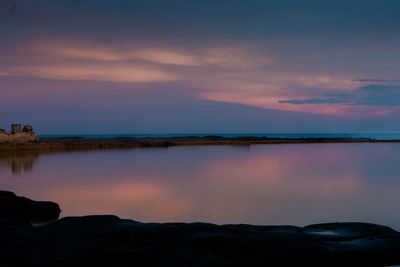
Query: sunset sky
x=221, y=66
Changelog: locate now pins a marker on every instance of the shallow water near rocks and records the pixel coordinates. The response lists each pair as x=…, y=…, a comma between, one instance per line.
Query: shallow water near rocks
x=293, y=184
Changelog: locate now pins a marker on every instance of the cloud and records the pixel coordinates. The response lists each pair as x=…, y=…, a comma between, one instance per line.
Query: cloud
x=370, y=95
x=369, y=80
x=127, y=62
x=327, y=81
x=77, y=51
x=167, y=57
x=266, y=87
x=314, y=101
x=126, y=73
x=236, y=73
x=387, y=95
x=97, y=52
x=271, y=101
x=269, y=55
x=235, y=57
x=228, y=57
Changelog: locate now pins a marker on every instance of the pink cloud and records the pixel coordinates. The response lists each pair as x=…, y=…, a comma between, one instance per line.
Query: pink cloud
x=272, y=102
x=167, y=57
x=235, y=73
x=126, y=73
x=235, y=57
x=90, y=51
x=229, y=57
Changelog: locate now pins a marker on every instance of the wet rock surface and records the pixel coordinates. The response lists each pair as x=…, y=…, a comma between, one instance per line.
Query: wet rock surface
x=109, y=240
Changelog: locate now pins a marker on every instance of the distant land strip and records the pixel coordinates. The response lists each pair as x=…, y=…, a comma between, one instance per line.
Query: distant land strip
x=82, y=143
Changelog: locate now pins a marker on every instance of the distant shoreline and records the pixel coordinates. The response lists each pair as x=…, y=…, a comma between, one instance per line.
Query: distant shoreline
x=377, y=136
x=82, y=143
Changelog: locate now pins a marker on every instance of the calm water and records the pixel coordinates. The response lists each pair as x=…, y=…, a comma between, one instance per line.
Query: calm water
x=294, y=184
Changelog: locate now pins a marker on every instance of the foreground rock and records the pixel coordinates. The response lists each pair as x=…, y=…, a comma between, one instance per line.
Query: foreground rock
x=108, y=240
x=23, y=209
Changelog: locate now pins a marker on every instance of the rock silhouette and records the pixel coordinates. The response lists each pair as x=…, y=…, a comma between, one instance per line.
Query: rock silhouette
x=23, y=209
x=109, y=240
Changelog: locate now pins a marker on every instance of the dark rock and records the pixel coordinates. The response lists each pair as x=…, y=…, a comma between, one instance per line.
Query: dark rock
x=26, y=210
x=109, y=240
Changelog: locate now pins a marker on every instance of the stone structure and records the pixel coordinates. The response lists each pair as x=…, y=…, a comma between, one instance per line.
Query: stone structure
x=15, y=128
x=27, y=129
x=18, y=135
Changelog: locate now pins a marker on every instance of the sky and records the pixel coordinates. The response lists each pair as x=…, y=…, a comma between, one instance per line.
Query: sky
x=156, y=66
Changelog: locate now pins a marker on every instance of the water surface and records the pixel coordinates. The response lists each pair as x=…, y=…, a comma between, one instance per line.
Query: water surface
x=295, y=184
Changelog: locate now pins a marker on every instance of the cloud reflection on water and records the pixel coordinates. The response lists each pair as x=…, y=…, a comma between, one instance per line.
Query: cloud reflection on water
x=272, y=184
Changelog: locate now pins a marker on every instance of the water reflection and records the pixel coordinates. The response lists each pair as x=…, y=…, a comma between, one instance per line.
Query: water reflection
x=266, y=184
x=18, y=162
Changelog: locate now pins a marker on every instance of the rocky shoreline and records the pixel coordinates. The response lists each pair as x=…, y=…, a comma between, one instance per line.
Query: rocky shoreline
x=81, y=143
x=26, y=140
x=109, y=240
x=18, y=135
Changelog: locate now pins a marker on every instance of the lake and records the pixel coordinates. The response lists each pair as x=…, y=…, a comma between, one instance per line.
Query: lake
x=296, y=184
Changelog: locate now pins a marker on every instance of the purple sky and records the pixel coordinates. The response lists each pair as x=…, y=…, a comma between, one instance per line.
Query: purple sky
x=158, y=66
